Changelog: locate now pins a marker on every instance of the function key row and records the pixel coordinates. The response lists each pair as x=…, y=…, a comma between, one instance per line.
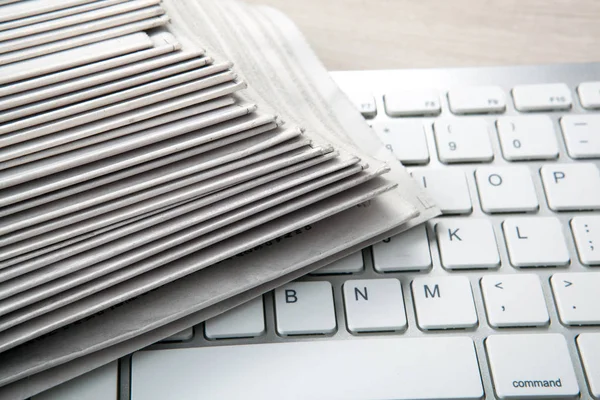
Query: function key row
x=522, y=138
x=480, y=100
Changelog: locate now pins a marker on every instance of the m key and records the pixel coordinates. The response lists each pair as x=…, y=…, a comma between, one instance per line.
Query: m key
x=444, y=303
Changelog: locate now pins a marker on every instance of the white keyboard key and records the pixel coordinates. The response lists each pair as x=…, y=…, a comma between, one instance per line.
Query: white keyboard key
x=589, y=94
x=531, y=366
x=506, y=189
x=448, y=188
x=463, y=140
x=374, y=305
x=514, y=300
x=542, y=97
x=582, y=135
x=303, y=308
x=348, y=265
x=99, y=384
x=467, y=243
x=535, y=242
x=365, y=103
x=408, y=251
x=527, y=137
x=444, y=303
x=411, y=103
x=247, y=320
x=369, y=368
x=572, y=187
x=477, y=100
x=182, y=336
x=589, y=348
x=406, y=139
x=577, y=297
x=586, y=230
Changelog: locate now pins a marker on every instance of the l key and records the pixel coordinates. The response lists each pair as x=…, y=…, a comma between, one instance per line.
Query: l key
x=535, y=242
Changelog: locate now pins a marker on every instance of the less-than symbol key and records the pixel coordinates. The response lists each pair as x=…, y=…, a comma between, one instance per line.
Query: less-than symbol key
x=515, y=301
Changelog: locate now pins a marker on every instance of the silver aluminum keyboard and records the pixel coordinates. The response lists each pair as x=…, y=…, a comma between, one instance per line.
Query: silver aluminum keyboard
x=498, y=298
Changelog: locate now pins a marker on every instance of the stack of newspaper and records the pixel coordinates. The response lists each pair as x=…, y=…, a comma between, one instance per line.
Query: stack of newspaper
x=148, y=180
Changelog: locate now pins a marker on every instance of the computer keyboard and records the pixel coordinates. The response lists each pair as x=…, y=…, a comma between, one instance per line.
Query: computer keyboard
x=499, y=298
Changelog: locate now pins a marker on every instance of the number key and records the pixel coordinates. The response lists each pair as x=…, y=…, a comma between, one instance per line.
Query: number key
x=463, y=140
x=528, y=137
x=406, y=139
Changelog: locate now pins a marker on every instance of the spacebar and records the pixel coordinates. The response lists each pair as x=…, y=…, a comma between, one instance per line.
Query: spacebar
x=383, y=368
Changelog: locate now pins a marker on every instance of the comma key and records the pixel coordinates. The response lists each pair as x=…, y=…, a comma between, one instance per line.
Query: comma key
x=531, y=366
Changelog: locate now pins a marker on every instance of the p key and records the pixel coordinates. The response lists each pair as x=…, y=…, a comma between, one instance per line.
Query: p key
x=572, y=187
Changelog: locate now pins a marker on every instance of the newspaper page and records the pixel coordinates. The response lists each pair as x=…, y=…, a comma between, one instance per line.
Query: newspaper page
x=281, y=70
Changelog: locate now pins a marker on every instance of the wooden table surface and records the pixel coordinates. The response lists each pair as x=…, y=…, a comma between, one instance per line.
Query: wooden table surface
x=380, y=34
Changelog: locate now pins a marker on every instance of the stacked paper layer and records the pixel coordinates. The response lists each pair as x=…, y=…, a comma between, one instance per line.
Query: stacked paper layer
x=133, y=163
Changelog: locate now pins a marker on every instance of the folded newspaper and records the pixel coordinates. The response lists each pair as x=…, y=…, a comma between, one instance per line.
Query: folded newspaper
x=162, y=162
